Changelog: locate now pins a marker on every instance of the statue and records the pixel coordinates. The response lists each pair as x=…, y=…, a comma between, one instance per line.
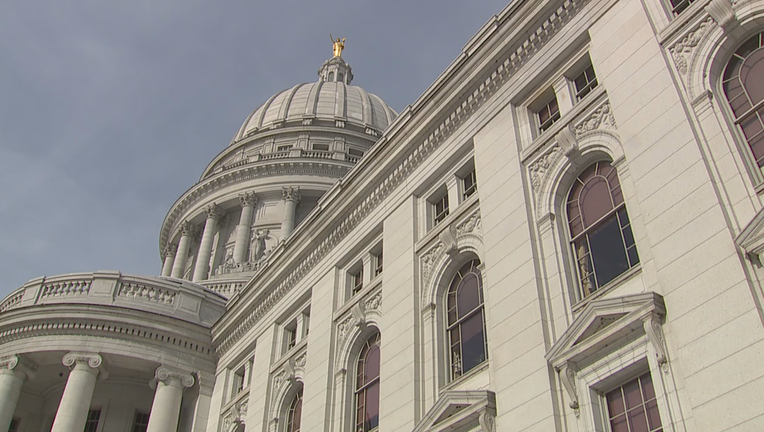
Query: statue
x=339, y=45
x=258, y=247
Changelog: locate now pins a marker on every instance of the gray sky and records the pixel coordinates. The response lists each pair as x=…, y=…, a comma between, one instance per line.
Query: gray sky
x=110, y=110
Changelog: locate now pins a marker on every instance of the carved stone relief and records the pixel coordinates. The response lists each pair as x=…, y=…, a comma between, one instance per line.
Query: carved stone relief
x=601, y=118
x=682, y=50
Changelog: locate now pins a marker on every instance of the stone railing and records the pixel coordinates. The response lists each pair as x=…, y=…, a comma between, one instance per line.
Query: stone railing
x=226, y=288
x=165, y=296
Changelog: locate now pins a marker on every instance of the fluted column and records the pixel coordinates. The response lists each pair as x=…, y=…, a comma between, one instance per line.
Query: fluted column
x=73, y=409
x=205, y=247
x=169, y=259
x=243, y=230
x=291, y=196
x=178, y=267
x=12, y=375
x=165, y=410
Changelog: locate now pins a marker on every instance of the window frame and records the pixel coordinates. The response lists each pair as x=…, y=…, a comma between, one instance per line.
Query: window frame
x=590, y=84
x=617, y=213
x=476, y=266
x=755, y=110
x=142, y=427
x=544, y=125
x=605, y=403
x=676, y=10
x=291, y=409
x=363, y=389
x=88, y=421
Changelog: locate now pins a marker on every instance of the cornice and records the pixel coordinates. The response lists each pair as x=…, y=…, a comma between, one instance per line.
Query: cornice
x=484, y=88
x=127, y=326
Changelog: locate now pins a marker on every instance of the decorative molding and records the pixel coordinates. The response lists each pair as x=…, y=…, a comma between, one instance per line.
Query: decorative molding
x=248, y=199
x=683, y=49
x=93, y=360
x=89, y=326
x=470, y=102
x=601, y=118
x=721, y=11
x=16, y=365
x=568, y=377
x=448, y=238
x=212, y=211
x=473, y=224
x=538, y=169
x=344, y=328
x=187, y=229
x=290, y=193
x=652, y=325
x=567, y=138
x=429, y=259
x=373, y=302
x=66, y=288
x=487, y=422
x=9, y=363
x=171, y=249
x=166, y=374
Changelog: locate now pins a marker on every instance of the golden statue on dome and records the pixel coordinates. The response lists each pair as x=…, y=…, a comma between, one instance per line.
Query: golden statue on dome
x=338, y=45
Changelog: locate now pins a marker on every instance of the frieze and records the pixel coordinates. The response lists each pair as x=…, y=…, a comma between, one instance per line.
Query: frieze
x=539, y=168
x=471, y=225
x=682, y=50
x=601, y=118
x=470, y=102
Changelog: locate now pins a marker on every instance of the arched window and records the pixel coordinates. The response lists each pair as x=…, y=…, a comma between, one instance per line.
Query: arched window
x=466, y=322
x=743, y=84
x=340, y=77
x=367, y=386
x=331, y=76
x=294, y=415
x=599, y=227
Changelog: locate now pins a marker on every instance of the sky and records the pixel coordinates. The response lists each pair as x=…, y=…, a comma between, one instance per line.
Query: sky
x=109, y=111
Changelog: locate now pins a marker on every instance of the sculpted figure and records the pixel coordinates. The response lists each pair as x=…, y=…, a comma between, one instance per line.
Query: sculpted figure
x=258, y=245
x=338, y=45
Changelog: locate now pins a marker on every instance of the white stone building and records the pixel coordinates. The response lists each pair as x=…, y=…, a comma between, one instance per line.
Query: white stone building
x=563, y=233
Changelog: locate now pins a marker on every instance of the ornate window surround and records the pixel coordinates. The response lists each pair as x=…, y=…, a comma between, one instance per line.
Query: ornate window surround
x=457, y=409
x=621, y=334
x=363, y=258
x=286, y=380
x=353, y=330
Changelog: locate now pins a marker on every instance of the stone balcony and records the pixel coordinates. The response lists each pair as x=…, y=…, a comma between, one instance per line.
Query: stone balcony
x=160, y=295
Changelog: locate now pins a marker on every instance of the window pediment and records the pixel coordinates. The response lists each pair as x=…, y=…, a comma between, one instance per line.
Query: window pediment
x=457, y=410
x=602, y=322
x=751, y=239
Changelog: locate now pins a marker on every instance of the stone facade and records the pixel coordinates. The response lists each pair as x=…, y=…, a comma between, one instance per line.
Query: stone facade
x=475, y=198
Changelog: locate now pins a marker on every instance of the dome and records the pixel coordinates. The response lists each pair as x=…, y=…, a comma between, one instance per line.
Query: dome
x=331, y=98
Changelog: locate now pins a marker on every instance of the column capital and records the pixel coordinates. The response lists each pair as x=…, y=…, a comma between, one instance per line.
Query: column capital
x=290, y=193
x=14, y=364
x=93, y=362
x=170, y=250
x=213, y=211
x=248, y=199
x=187, y=228
x=170, y=375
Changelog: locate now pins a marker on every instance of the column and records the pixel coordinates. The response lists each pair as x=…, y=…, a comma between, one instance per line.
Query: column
x=169, y=259
x=179, y=266
x=165, y=410
x=73, y=409
x=291, y=196
x=243, y=230
x=12, y=375
x=205, y=247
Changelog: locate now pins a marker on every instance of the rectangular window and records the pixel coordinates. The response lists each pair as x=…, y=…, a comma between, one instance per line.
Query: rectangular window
x=238, y=380
x=321, y=147
x=548, y=114
x=283, y=148
x=440, y=209
x=91, y=424
x=632, y=407
x=291, y=338
x=469, y=184
x=378, y=264
x=140, y=422
x=354, y=152
x=678, y=6
x=356, y=280
x=585, y=82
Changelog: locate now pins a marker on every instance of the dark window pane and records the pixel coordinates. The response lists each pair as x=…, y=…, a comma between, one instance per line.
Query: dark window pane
x=615, y=402
x=752, y=75
x=632, y=394
x=372, y=364
x=468, y=294
x=647, y=386
x=371, y=419
x=637, y=420
x=473, y=342
x=608, y=251
x=653, y=416
x=595, y=200
x=618, y=424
